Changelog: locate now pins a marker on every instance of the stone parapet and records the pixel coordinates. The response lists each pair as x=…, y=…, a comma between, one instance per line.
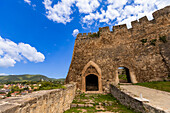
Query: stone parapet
x=45, y=101
x=130, y=100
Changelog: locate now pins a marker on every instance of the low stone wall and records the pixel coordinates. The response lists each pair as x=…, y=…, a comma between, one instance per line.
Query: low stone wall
x=129, y=100
x=45, y=101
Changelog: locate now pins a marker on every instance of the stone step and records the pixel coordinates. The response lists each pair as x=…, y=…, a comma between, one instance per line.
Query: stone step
x=81, y=105
x=125, y=83
x=93, y=92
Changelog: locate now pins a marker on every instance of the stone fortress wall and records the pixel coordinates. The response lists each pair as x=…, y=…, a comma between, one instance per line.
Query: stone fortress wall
x=123, y=47
x=45, y=101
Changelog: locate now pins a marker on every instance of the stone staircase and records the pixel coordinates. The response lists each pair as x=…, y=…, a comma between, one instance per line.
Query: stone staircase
x=95, y=103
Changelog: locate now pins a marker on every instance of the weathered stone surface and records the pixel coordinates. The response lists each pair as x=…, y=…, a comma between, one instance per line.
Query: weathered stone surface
x=80, y=105
x=73, y=105
x=46, y=101
x=130, y=99
x=123, y=47
x=90, y=105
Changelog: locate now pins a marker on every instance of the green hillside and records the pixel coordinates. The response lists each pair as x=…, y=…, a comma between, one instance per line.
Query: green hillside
x=26, y=77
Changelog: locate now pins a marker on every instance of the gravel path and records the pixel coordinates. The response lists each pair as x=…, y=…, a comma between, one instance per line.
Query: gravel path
x=157, y=98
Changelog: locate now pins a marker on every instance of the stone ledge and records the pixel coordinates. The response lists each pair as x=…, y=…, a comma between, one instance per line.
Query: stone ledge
x=130, y=100
x=35, y=99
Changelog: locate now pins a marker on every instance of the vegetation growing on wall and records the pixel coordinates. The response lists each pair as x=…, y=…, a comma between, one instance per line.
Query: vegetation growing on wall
x=143, y=41
x=153, y=42
x=95, y=34
x=163, y=39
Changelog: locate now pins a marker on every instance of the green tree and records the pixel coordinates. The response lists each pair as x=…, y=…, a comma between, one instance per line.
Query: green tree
x=9, y=94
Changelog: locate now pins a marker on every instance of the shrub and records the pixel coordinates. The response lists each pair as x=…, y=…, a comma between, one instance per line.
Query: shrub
x=49, y=85
x=95, y=34
x=163, y=39
x=9, y=94
x=153, y=42
x=143, y=41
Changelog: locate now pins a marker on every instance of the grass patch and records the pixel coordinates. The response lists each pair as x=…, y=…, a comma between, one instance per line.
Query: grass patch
x=123, y=77
x=98, y=100
x=73, y=110
x=82, y=96
x=80, y=110
x=102, y=98
x=162, y=85
x=116, y=106
x=78, y=102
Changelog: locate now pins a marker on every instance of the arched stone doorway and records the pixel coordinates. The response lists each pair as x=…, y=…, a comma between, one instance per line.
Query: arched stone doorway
x=92, y=83
x=127, y=76
x=124, y=75
x=91, y=78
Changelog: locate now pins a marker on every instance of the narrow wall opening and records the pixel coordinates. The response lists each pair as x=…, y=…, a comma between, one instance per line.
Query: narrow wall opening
x=124, y=75
x=92, y=83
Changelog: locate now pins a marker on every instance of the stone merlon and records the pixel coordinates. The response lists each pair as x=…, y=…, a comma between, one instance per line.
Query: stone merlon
x=135, y=24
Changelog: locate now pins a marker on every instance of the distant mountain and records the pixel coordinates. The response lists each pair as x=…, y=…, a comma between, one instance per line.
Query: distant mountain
x=26, y=77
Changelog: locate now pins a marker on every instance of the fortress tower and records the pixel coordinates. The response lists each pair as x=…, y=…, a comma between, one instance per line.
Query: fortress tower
x=144, y=50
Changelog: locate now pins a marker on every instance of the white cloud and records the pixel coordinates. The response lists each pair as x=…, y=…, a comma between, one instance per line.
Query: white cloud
x=75, y=32
x=111, y=12
x=117, y=3
x=118, y=12
x=61, y=11
x=11, y=52
x=87, y=6
x=3, y=74
x=28, y=1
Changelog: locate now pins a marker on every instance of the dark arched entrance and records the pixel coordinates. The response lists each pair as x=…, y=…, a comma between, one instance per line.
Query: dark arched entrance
x=92, y=83
x=124, y=75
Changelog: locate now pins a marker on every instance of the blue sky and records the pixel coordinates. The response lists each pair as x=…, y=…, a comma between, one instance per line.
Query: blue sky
x=37, y=36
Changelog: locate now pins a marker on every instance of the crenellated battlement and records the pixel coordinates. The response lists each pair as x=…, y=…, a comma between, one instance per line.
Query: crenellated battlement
x=104, y=29
x=118, y=27
x=90, y=35
x=143, y=19
x=136, y=25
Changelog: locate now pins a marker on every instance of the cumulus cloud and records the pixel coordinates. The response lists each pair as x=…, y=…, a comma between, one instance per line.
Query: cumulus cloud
x=110, y=12
x=62, y=11
x=59, y=12
x=28, y=1
x=87, y=6
x=120, y=12
x=75, y=32
x=11, y=52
